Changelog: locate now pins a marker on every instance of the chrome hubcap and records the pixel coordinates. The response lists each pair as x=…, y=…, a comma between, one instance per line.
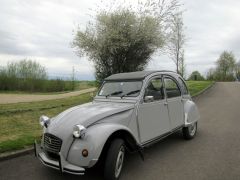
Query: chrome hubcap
x=192, y=129
x=119, y=162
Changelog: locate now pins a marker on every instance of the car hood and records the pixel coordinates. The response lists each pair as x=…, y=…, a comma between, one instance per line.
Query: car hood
x=85, y=115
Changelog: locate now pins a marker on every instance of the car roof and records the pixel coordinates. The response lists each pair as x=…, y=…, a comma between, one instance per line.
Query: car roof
x=138, y=75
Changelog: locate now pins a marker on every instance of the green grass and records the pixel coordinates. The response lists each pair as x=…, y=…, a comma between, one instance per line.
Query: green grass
x=196, y=87
x=19, y=124
x=79, y=85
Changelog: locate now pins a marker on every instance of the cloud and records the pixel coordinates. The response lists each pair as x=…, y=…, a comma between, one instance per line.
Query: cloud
x=43, y=30
x=211, y=27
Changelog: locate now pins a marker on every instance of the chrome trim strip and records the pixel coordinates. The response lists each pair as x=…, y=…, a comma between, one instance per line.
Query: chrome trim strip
x=155, y=140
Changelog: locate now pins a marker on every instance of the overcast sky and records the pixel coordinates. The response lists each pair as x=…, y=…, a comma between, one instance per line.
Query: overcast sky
x=43, y=31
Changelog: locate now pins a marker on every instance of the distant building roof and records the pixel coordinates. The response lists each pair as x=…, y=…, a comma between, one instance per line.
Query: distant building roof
x=138, y=75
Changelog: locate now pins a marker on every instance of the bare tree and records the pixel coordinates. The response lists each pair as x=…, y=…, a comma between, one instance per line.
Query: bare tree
x=176, y=41
x=182, y=65
x=238, y=70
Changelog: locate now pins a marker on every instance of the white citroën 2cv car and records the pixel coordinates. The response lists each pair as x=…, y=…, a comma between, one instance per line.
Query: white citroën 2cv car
x=130, y=111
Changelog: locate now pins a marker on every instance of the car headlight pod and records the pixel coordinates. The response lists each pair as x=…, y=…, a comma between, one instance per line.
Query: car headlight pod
x=79, y=131
x=44, y=121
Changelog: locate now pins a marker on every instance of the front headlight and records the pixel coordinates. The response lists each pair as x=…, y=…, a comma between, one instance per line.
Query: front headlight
x=79, y=131
x=44, y=121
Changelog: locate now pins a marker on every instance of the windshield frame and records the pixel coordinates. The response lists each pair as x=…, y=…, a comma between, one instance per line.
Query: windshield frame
x=123, y=80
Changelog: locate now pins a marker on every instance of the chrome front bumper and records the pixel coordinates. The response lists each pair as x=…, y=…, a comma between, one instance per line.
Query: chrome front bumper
x=61, y=165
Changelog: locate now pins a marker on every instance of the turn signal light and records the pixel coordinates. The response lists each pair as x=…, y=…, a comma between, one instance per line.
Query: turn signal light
x=85, y=153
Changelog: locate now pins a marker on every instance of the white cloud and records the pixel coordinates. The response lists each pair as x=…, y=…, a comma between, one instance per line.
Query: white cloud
x=43, y=30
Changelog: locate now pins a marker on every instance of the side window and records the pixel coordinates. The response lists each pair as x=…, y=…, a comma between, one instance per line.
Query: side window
x=171, y=87
x=183, y=86
x=155, y=89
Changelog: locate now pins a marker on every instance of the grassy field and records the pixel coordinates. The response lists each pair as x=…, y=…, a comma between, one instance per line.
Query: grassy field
x=197, y=86
x=79, y=85
x=19, y=124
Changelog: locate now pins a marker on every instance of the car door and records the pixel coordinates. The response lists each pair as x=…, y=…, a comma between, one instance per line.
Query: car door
x=153, y=113
x=174, y=101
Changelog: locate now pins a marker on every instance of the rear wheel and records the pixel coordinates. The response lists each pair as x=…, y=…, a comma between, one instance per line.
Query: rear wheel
x=190, y=131
x=114, y=160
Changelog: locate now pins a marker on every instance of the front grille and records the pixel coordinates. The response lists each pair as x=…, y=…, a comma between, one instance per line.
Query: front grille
x=52, y=143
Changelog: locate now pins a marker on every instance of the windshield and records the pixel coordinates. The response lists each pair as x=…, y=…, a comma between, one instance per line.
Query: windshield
x=121, y=88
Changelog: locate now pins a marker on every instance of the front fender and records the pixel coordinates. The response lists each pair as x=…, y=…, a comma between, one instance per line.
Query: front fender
x=191, y=113
x=94, y=141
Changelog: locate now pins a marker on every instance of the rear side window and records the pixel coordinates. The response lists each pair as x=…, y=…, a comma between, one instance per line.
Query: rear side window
x=183, y=86
x=171, y=87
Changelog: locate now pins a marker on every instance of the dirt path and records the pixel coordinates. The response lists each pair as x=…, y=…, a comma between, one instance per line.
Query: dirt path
x=16, y=98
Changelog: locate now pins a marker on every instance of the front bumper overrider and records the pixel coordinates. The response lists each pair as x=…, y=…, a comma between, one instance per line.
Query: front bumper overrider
x=61, y=165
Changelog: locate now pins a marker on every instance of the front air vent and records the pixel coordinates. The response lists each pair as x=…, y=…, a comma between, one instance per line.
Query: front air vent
x=52, y=143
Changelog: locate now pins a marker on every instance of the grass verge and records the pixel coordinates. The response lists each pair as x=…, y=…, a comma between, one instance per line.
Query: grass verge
x=195, y=87
x=19, y=124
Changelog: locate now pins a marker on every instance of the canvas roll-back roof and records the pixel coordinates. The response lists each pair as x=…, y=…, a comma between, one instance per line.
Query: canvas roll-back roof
x=138, y=75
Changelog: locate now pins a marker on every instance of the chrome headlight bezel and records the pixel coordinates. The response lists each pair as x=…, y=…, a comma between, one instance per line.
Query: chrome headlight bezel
x=79, y=131
x=44, y=121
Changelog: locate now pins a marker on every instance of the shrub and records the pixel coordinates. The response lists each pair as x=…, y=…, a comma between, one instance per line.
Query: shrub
x=28, y=75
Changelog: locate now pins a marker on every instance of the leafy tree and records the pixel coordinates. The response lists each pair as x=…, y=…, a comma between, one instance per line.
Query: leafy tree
x=123, y=39
x=176, y=42
x=22, y=75
x=27, y=69
x=226, y=69
x=225, y=66
x=196, y=76
x=28, y=75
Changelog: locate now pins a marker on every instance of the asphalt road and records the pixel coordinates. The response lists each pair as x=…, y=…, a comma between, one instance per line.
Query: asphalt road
x=214, y=154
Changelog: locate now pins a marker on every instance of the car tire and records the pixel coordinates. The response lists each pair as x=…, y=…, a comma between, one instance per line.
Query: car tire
x=114, y=160
x=190, y=131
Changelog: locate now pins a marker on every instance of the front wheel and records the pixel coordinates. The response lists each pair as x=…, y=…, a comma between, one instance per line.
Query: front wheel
x=190, y=131
x=114, y=160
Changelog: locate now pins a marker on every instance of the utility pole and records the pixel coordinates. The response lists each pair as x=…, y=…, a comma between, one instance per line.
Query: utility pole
x=73, y=78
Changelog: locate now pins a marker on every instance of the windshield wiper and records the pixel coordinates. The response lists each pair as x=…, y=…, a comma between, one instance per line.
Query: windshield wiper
x=129, y=93
x=114, y=93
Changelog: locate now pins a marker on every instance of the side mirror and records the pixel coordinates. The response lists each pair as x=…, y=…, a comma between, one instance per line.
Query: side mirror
x=148, y=99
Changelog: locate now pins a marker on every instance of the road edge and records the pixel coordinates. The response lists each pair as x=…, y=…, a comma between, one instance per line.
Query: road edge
x=203, y=91
x=29, y=150
x=13, y=154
